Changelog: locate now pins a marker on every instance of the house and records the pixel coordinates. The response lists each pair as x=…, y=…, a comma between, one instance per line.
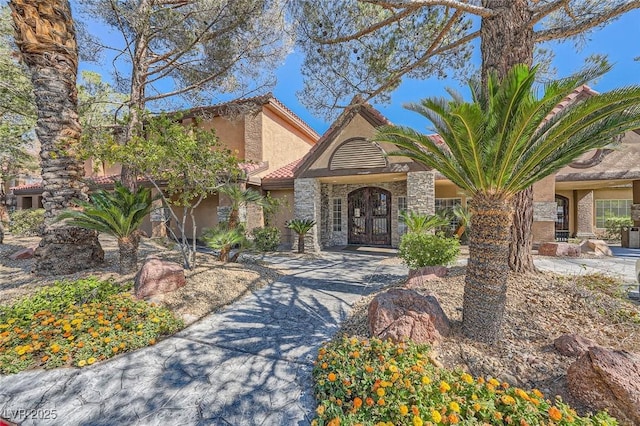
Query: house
x=261, y=131
x=356, y=192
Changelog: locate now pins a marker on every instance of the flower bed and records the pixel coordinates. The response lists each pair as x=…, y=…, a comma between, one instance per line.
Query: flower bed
x=373, y=382
x=78, y=323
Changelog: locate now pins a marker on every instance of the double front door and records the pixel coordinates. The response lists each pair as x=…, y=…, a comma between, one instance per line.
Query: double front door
x=370, y=216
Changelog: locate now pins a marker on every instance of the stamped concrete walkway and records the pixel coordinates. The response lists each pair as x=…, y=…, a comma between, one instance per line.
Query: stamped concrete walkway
x=249, y=364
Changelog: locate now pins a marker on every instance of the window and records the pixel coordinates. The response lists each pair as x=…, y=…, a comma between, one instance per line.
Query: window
x=611, y=208
x=337, y=215
x=444, y=207
x=402, y=207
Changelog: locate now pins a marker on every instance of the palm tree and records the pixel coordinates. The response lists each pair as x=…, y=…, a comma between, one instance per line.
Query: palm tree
x=224, y=239
x=119, y=214
x=301, y=227
x=239, y=198
x=418, y=222
x=502, y=142
x=46, y=38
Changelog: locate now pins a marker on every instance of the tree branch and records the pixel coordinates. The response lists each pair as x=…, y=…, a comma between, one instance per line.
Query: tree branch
x=458, y=5
x=395, y=18
x=564, y=32
x=544, y=10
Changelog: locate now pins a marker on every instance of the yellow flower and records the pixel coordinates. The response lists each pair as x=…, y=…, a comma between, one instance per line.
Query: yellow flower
x=380, y=392
x=477, y=406
x=537, y=393
x=522, y=394
x=506, y=399
x=444, y=387
x=554, y=414
x=425, y=380
x=320, y=409
x=55, y=348
x=466, y=378
x=91, y=360
x=393, y=368
x=436, y=416
x=454, y=407
x=404, y=410
x=82, y=363
x=494, y=382
x=417, y=421
x=107, y=339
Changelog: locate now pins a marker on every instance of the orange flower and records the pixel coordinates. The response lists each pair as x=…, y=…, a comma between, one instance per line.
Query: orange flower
x=332, y=377
x=357, y=402
x=444, y=387
x=355, y=354
x=555, y=414
x=334, y=422
x=324, y=365
x=369, y=401
x=107, y=339
x=453, y=418
x=44, y=358
x=404, y=410
x=415, y=410
x=381, y=401
x=115, y=349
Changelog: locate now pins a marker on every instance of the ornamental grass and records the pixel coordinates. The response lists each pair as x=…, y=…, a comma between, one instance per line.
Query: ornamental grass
x=78, y=323
x=374, y=382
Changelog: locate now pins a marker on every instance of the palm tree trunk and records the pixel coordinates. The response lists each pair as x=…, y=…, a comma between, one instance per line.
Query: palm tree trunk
x=507, y=39
x=46, y=37
x=128, y=250
x=300, y=243
x=485, y=289
x=224, y=253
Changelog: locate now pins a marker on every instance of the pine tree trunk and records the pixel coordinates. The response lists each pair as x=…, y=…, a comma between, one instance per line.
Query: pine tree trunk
x=46, y=37
x=507, y=39
x=128, y=250
x=485, y=289
x=140, y=67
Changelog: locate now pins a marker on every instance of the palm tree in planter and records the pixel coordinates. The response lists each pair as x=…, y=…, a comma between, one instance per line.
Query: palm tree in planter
x=119, y=213
x=301, y=227
x=502, y=142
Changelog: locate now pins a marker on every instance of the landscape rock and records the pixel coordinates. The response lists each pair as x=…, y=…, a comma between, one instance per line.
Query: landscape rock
x=559, y=249
x=573, y=345
x=157, y=277
x=597, y=247
x=608, y=379
x=418, y=277
x=26, y=253
x=401, y=314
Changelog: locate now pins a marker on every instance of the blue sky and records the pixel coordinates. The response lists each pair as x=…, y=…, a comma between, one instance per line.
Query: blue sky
x=619, y=40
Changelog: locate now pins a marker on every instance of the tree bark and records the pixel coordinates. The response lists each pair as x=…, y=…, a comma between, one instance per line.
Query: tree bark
x=485, y=289
x=46, y=37
x=507, y=39
x=301, y=243
x=128, y=250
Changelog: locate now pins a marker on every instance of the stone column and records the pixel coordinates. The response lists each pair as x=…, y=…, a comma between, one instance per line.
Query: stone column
x=635, y=207
x=421, y=192
x=545, y=210
x=307, y=205
x=584, y=203
x=159, y=217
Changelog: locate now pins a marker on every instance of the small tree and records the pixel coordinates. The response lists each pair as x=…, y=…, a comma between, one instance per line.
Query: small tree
x=119, y=213
x=185, y=165
x=301, y=227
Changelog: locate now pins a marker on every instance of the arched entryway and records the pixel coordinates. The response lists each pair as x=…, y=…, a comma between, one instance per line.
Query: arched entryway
x=562, y=218
x=370, y=216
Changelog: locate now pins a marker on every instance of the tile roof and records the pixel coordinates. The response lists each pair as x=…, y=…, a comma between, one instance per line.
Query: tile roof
x=285, y=172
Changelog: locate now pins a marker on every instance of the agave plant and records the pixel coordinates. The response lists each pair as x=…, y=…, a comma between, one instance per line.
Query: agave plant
x=301, y=227
x=119, y=213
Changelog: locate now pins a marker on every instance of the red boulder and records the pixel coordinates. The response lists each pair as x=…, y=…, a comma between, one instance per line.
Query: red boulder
x=158, y=276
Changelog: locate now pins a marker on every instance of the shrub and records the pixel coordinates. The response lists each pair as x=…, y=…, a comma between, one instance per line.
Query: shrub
x=375, y=382
x=27, y=223
x=419, y=249
x=77, y=323
x=267, y=238
x=613, y=226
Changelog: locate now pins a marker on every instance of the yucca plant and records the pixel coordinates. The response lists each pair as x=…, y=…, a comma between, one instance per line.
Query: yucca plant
x=502, y=142
x=118, y=213
x=301, y=227
x=419, y=222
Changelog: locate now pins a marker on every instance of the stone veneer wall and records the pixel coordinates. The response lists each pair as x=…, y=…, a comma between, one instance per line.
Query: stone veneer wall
x=330, y=191
x=421, y=192
x=307, y=202
x=585, y=214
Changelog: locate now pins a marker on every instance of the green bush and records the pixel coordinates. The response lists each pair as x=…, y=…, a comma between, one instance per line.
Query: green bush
x=613, y=225
x=374, y=382
x=27, y=223
x=78, y=323
x=419, y=249
x=267, y=238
